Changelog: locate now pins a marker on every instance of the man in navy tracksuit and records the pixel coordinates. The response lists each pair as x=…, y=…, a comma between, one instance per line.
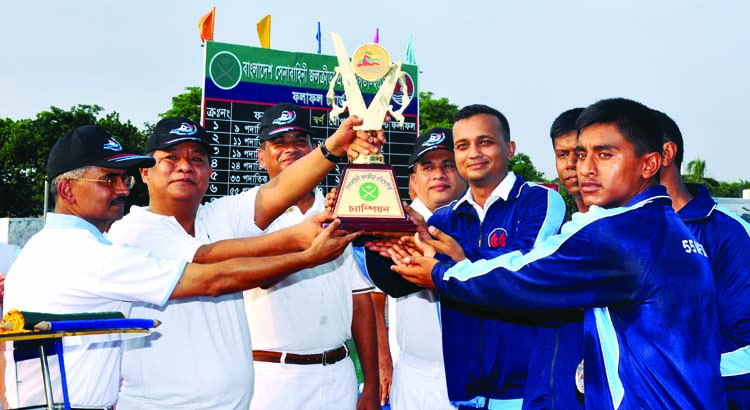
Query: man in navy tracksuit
x=650, y=327
x=554, y=370
x=726, y=238
x=487, y=354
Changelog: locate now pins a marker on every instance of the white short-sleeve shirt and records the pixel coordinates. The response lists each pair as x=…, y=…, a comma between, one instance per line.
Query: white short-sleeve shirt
x=418, y=325
x=310, y=311
x=70, y=267
x=200, y=357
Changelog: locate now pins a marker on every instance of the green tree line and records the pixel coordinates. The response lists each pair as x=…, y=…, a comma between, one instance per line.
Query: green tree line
x=25, y=146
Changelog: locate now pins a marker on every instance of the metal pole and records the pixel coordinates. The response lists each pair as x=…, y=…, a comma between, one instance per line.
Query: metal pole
x=46, y=200
x=47, y=380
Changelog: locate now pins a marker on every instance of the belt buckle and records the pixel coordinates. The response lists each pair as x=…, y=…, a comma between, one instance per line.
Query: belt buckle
x=325, y=358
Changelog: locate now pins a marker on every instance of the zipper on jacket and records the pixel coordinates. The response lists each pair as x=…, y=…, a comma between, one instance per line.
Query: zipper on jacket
x=552, y=370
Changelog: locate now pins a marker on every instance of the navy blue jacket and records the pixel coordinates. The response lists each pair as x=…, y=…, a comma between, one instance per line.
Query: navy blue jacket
x=551, y=384
x=487, y=353
x=726, y=238
x=650, y=327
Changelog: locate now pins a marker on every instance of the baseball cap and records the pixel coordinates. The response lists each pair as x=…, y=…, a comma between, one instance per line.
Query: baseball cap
x=282, y=118
x=175, y=130
x=91, y=145
x=434, y=138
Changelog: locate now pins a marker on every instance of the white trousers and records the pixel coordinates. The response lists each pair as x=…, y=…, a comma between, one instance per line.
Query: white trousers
x=305, y=387
x=419, y=384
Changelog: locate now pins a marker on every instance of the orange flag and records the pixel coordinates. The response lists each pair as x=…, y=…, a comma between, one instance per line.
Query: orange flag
x=206, y=26
x=264, y=31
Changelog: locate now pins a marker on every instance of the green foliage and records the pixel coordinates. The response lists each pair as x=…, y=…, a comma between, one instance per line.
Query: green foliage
x=696, y=169
x=435, y=112
x=25, y=145
x=695, y=173
x=187, y=104
x=522, y=166
x=571, y=206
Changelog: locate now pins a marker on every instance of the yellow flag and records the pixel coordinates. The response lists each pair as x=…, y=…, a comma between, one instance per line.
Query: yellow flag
x=264, y=31
x=206, y=26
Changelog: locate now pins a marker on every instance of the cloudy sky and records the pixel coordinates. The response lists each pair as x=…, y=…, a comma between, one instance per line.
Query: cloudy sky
x=531, y=59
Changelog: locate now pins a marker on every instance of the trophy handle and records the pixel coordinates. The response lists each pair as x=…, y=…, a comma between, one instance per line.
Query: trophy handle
x=399, y=114
x=331, y=97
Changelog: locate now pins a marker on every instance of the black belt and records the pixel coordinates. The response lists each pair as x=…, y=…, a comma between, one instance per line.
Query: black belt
x=325, y=358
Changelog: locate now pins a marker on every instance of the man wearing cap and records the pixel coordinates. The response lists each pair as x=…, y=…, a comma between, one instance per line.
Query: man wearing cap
x=418, y=373
x=71, y=267
x=159, y=370
x=300, y=325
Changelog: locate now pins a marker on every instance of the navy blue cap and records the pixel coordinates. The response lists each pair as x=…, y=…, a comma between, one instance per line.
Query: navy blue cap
x=434, y=138
x=176, y=130
x=282, y=118
x=91, y=145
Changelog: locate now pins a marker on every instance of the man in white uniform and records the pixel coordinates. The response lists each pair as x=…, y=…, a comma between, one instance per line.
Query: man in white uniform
x=203, y=335
x=70, y=267
x=7, y=256
x=419, y=373
x=299, y=325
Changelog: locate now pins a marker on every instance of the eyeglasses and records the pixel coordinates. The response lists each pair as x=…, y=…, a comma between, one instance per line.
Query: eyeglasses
x=113, y=181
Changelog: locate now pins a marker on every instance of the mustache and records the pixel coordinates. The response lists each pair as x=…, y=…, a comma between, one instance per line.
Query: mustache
x=120, y=199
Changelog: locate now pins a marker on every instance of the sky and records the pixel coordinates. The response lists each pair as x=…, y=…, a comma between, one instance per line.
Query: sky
x=529, y=59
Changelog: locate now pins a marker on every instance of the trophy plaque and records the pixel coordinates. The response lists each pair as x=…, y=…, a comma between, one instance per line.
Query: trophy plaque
x=368, y=196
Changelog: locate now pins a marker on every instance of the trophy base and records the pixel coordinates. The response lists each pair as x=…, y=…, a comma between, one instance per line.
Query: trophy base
x=404, y=226
x=368, y=200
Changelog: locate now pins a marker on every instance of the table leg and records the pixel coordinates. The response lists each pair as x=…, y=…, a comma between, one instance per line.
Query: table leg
x=47, y=380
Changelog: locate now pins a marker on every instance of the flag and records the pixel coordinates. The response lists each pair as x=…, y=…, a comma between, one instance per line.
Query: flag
x=206, y=26
x=410, y=53
x=317, y=37
x=264, y=31
x=377, y=36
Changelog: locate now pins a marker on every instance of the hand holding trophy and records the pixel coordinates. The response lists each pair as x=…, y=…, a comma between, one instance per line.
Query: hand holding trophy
x=368, y=195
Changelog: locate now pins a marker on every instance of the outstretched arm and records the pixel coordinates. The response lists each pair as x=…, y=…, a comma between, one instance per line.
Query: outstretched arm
x=291, y=239
x=239, y=274
x=296, y=181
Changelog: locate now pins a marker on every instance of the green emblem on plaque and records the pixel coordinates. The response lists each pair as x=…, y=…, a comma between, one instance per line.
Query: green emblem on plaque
x=225, y=70
x=369, y=191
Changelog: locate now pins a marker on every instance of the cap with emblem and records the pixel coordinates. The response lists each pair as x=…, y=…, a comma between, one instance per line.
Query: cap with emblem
x=435, y=138
x=282, y=118
x=91, y=145
x=176, y=130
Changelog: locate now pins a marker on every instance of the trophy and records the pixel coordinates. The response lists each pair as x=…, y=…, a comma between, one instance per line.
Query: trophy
x=368, y=196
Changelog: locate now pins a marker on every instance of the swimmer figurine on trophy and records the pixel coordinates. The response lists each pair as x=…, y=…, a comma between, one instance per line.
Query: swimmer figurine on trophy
x=368, y=195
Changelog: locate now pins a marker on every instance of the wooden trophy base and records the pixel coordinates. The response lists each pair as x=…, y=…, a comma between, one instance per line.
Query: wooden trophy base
x=368, y=200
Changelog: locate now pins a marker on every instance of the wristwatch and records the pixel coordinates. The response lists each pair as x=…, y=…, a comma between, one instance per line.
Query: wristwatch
x=329, y=155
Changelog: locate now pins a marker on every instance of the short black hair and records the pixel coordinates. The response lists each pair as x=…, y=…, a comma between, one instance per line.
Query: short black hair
x=476, y=109
x=671, y=133
x=565, y=123
x=636, y=122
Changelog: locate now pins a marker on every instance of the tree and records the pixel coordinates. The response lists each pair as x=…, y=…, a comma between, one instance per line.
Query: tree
x=696, y=170
x=187, y=104
x=522, y=166
x=435, y=112
x=695, y=173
